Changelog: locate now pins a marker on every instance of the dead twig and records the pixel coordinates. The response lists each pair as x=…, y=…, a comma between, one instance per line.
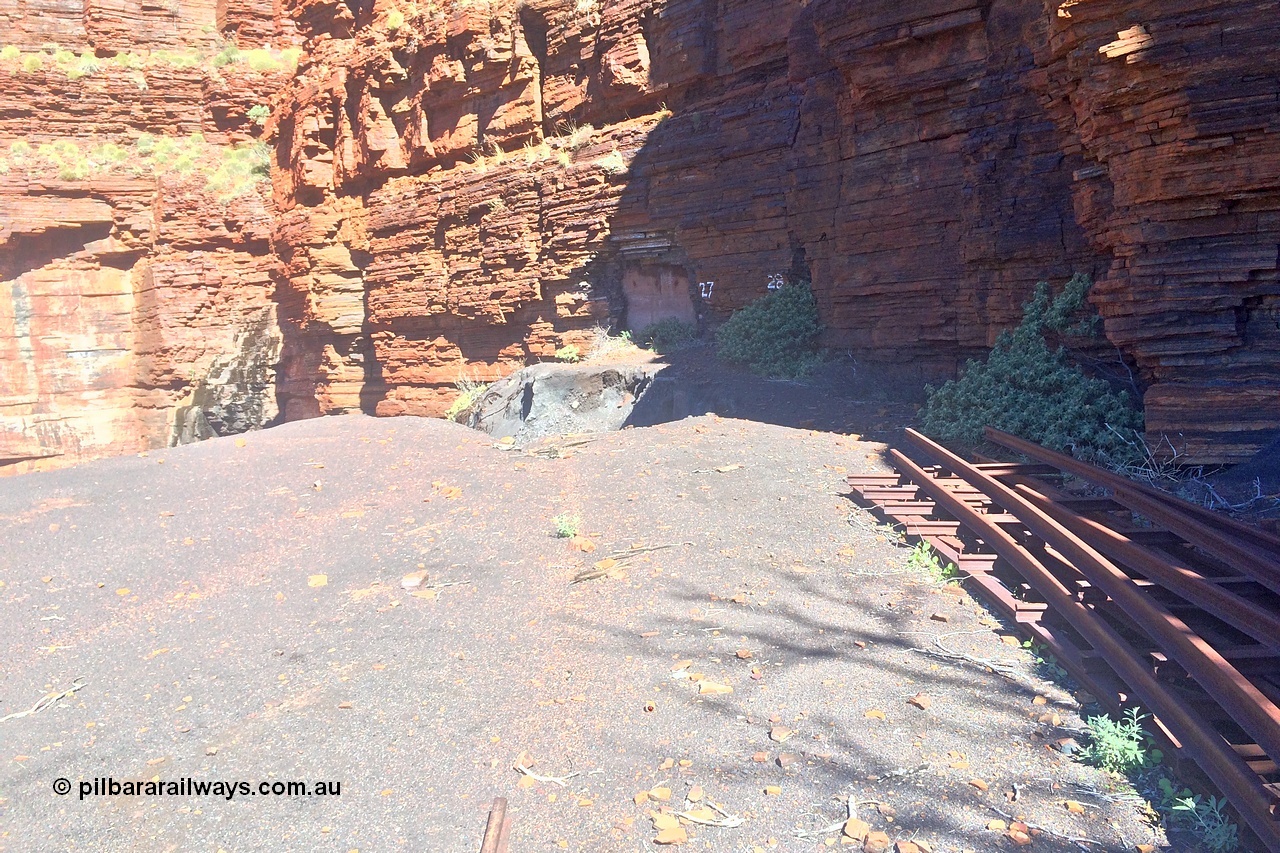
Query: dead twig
x=727, y=821
x=998, y=667
x=47, y=701
x=616, y=562
x=850, y=805
x=554, y=780
x=1073, y=839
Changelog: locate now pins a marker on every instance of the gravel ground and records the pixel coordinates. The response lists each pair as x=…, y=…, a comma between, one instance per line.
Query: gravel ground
x=235, y=613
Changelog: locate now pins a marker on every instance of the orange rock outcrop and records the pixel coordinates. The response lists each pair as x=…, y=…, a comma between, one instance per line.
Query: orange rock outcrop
x=459, y=187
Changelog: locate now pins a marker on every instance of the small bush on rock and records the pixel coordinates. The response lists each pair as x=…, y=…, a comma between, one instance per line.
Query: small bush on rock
x=774, y=336
x=666, y=335
x=569, y=353
x=1030, y=390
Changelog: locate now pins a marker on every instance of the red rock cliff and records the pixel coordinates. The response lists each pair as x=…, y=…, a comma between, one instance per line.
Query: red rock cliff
x=460, y=187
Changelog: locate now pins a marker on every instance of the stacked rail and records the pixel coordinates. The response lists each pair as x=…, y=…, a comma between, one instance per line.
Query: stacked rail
x=1145, y=599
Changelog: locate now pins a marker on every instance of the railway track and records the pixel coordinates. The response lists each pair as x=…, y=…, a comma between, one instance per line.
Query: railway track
x=1147, y=600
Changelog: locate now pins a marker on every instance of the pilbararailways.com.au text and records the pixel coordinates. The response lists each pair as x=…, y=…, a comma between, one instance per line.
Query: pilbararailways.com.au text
x=188, y=787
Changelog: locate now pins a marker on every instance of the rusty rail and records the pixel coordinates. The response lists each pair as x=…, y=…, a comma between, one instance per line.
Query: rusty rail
x=1183, y=595
x=497, y=830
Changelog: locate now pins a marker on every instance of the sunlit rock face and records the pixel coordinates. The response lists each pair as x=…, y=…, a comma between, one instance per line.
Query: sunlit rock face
x=459, y=189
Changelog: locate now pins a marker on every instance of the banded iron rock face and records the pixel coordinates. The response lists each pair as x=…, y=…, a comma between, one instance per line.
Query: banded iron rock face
x=462, y=188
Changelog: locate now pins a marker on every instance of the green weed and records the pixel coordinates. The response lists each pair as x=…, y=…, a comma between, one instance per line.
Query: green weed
x=259, y=113
x=1119, y=746
x=924, y=560
x=569, y=353
x=1045, y=662
x=566, y=526
x=469, y=391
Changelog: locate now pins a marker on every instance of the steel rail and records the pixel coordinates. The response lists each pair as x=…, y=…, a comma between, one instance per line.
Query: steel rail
x=1260, y=565
x=1261, y=623
x=497, y=830
x=1220, y=763
x=1242, y=700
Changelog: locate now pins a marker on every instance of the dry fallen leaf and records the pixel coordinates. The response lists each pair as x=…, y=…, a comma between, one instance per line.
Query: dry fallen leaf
x=661, y=794
x=921, y=701
x=583, y=544
x=664, y=820
x=413, y=580
x=744, y=654
x=979, y=784
x=672, y=836
x=606, y=563
x=778, y=734
x=695, y=794
x=772, y=790
x=1073, y=807
x=725, y=469
x=714, y=688
x=315, y=581
x=856, y=829
x=874, y=714
x=997, y=825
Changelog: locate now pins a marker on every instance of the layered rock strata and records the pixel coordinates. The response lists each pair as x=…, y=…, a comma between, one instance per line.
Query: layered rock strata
x=137, y=306
x=460, y=188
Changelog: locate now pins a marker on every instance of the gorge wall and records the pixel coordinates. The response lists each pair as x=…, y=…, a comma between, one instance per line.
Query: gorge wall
x=459, y=188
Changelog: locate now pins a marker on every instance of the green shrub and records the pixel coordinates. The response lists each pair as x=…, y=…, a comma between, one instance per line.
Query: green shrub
x=32, y=62
x=259, y=113
x=228, y=55
x=10, y=53
x=1208, y=821
x=774, y=336
x=1030, y=390
x=469, y=391
x=666, y=335
x=178, y=58
x=239, y=169
x=131, y=61
x=568, y=353
x=925, y=561
x=1119, y=746
x=566, y=526
x=395, y=20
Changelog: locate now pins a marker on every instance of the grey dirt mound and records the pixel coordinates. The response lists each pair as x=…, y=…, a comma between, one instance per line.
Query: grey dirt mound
x=233, y=611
